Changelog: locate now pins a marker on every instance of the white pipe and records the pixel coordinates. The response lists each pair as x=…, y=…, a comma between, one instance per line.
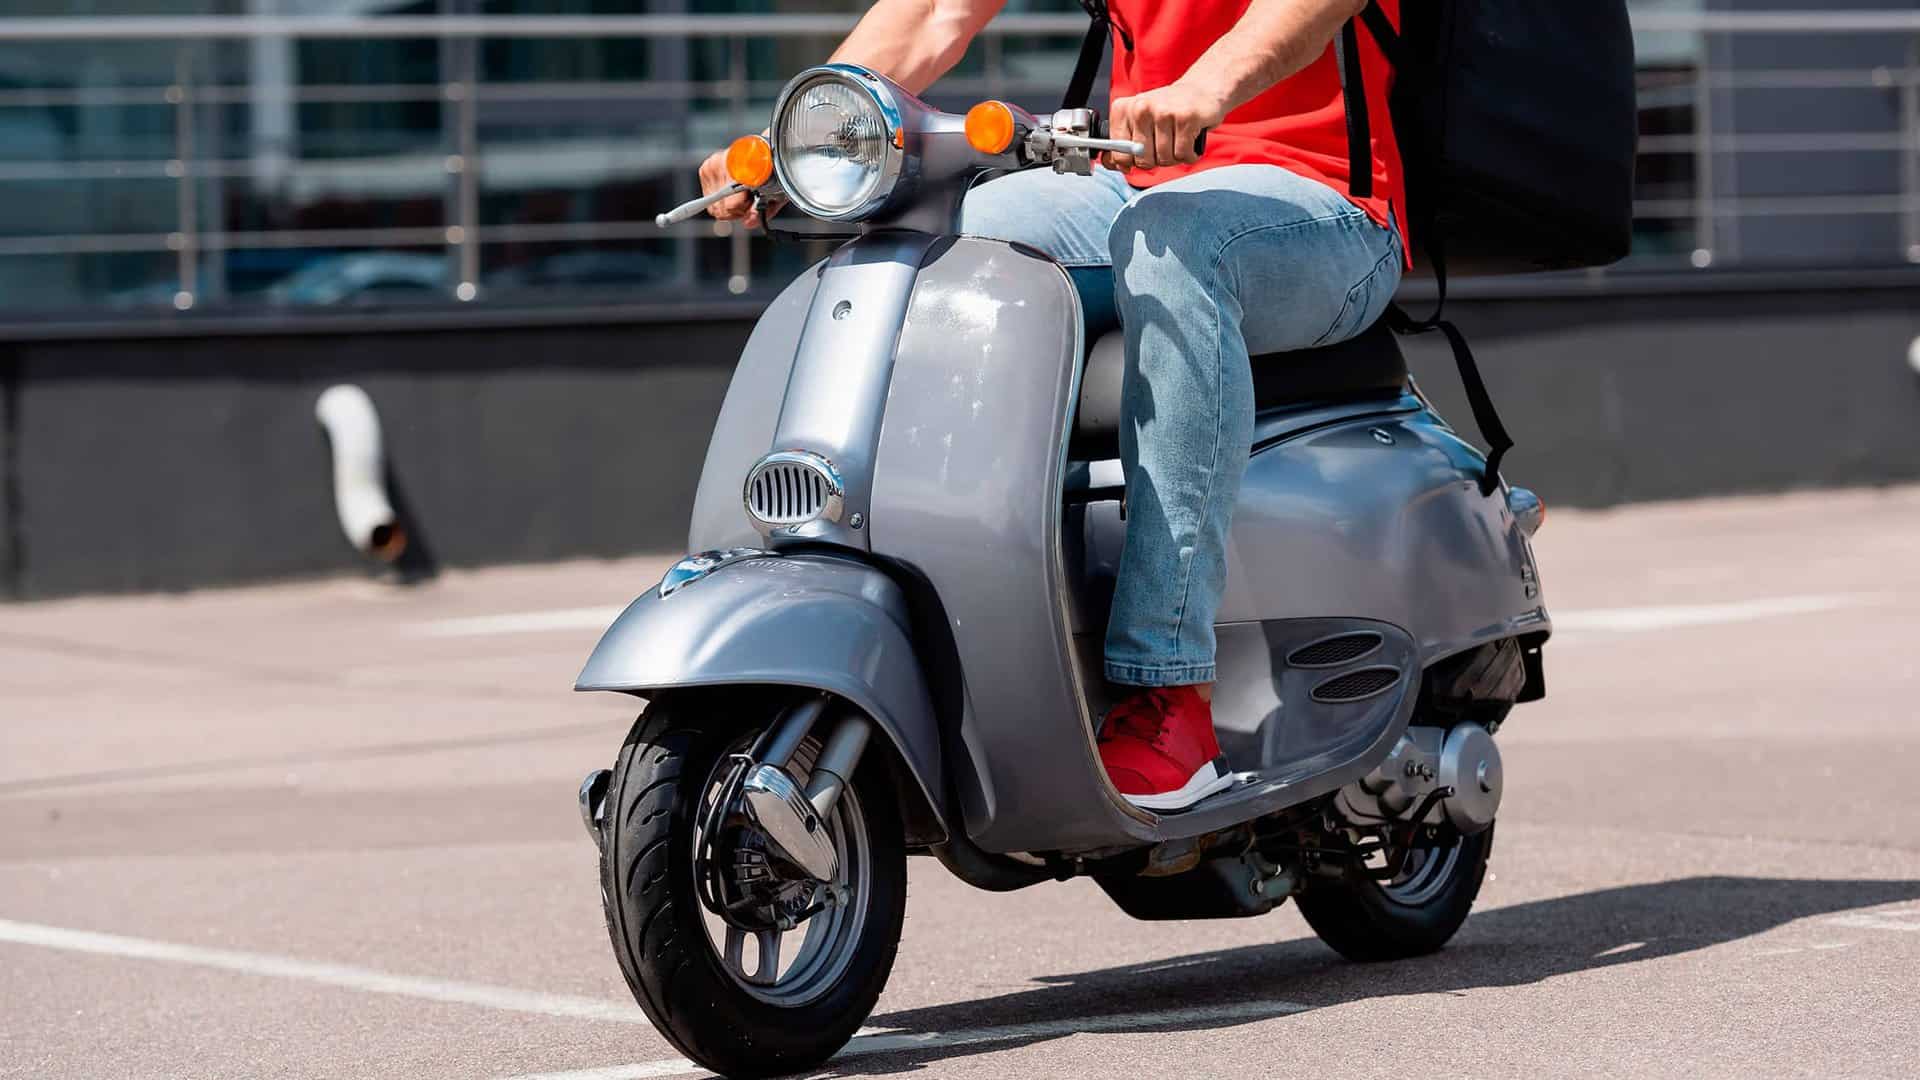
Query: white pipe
x=359, y=472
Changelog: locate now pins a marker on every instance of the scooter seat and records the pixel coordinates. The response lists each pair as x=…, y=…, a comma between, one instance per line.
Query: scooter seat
x=1367, y=365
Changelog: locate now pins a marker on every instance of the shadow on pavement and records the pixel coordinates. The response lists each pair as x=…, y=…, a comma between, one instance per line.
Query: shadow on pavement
x=1509, y=946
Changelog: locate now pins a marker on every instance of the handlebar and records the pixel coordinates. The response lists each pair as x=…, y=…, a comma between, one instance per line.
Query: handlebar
x=1058, y=140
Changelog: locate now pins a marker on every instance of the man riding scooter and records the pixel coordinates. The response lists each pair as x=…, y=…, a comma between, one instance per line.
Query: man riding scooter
x=1259, y=244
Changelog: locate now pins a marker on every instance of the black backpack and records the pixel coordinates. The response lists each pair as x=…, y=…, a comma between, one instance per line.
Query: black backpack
x=1516, y=121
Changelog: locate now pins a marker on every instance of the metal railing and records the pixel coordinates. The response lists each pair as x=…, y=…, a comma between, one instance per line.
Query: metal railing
x=461, y=159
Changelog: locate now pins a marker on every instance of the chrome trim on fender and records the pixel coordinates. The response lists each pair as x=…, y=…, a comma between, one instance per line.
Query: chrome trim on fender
x=1527, y=509
x=694, y=567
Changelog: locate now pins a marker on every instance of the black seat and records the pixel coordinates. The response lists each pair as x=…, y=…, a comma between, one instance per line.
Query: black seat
x=1369, y=364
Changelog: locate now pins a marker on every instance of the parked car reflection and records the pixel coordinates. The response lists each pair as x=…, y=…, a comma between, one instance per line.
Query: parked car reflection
x=588, y=268
x=363, y=277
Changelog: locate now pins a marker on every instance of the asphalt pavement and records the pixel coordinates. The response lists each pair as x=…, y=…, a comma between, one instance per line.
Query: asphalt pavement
x=328, y=830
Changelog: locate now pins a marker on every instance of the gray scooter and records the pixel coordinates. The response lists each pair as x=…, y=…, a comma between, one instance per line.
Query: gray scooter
x=888, y=645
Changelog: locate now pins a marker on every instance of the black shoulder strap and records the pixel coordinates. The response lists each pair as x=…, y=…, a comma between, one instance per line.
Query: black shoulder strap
x=1360, y=158
x=1093, y=49
x=1353, y=90
x=1353, y=94
x=1383, y=32
x=1481, y=402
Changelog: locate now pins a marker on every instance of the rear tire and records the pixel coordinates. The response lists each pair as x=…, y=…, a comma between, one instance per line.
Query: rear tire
x=1367, y=921
x=660, y=929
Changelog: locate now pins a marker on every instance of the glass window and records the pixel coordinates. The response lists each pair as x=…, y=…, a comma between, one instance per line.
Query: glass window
x=315, y=173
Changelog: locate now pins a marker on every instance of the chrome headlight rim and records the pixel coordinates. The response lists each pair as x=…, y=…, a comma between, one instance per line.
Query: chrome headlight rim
x=891, y=164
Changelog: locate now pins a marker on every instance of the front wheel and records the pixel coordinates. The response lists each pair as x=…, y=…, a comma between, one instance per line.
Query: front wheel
x=743, y=1002
x=1416, y=913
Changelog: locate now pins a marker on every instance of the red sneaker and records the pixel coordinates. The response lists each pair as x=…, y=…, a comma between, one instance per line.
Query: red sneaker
x=1160, y=751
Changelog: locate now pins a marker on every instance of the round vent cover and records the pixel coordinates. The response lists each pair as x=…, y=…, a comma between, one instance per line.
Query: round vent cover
x=1355, y=685
x=790, y=488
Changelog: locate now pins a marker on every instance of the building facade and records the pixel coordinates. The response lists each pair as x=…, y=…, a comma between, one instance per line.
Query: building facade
x=248, y=170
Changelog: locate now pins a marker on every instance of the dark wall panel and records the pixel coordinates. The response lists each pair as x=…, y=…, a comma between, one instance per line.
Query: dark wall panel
x=1630, y=398
x=170, y=463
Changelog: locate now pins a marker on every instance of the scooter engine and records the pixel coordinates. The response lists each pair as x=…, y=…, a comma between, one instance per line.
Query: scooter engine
x=1434, y=775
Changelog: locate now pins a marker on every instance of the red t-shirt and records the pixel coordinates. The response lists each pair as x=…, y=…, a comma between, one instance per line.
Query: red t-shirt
x=1299, y=123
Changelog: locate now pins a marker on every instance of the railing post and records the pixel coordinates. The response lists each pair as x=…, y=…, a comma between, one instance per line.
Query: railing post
x=1910, y=151
x=740, y=254
x=1703, y=171
x=185, y=240
x=463, y=234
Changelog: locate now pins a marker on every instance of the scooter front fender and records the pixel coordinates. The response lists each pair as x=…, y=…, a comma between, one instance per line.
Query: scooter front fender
x=817, y=621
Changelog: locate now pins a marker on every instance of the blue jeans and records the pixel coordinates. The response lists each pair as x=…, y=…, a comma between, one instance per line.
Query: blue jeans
x=1204, y=270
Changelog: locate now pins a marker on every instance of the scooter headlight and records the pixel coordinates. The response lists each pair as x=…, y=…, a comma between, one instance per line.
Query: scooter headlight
x=835, y=148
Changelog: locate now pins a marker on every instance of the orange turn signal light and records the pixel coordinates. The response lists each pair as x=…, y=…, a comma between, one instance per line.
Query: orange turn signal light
x=750, y=161
x=990, y=127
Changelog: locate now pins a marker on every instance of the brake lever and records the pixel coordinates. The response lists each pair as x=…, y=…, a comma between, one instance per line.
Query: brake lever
x=689, y=209
x=1098, y=146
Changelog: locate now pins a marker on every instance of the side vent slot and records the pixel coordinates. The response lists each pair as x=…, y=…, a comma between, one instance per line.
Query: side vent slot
x=1356, y=685
x=1335, y=651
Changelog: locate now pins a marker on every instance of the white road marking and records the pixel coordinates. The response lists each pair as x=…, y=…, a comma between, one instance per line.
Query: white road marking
x=1908, y=920
x=340, y=975
x=1674, y=616
x=1623, y=620
x=638, y=1071
x=1040, y=1029
x=1618, y=949
x=524, y=622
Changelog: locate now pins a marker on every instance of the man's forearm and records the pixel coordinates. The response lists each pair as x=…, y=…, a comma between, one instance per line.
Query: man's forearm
x=1273, y=40
x=914, y=42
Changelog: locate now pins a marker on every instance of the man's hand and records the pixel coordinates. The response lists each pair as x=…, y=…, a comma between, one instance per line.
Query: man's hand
x=1166, y=121
x=713, y=177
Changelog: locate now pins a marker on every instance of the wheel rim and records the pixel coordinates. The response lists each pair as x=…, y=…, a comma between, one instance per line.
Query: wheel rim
x=807, y=961
x=1427, y=872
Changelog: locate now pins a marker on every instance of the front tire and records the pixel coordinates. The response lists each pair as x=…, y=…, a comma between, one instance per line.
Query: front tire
x=1369, y=921
x=696, y=990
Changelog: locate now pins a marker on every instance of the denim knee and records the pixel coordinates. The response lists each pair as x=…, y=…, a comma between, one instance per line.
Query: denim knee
x=1150, y=226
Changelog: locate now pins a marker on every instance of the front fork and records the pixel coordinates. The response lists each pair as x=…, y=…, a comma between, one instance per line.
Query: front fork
x=792, y=817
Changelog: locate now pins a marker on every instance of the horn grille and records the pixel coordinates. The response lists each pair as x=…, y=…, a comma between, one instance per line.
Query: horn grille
x=792, y=488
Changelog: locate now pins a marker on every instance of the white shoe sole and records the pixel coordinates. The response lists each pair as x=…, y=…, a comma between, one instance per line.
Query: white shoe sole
x=1210, y=780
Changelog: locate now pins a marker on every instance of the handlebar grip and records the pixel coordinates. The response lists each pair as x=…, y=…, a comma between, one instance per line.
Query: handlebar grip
x=688, y=209
x=1200, y=142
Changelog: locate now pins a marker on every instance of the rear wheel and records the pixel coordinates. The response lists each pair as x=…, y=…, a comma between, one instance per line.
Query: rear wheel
x=756, y=1001
x=1413, y=914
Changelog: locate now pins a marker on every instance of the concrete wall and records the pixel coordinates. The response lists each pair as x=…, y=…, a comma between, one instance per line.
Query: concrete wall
x=170, y=462
x=1626, y=398
x=160, y=464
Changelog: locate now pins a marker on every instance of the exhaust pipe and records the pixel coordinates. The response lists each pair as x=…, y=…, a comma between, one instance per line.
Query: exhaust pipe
x=359, y=473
